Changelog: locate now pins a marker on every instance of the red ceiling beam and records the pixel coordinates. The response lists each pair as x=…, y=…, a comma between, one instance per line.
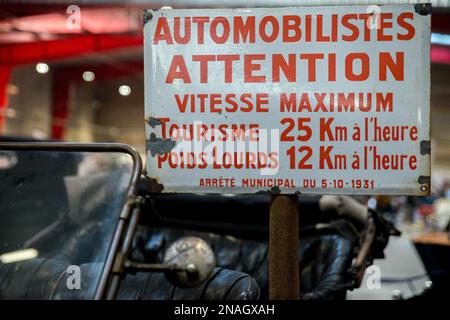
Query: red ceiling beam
x=25, y=53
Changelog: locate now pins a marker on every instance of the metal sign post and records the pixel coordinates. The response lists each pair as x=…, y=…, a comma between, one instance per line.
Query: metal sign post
x=284, y=277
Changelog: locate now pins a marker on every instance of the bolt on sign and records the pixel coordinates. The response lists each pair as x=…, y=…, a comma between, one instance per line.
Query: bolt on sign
x=292, y=100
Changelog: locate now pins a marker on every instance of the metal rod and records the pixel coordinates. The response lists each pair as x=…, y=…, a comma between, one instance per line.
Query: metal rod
x=154, y=267
x=124, y=251
x=284, y=279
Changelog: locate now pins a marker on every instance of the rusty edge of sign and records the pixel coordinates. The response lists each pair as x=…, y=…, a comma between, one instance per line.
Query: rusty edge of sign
x=425, y=181
x=153, y=185
x=156, y=146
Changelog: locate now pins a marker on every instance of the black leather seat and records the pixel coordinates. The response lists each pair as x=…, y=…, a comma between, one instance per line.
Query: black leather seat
x=46, y=279
x=223, y=284
x=324, y=259
x=43, y=279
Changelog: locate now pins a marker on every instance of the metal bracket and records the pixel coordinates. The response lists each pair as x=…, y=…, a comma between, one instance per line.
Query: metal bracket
x=119, y=261
x=129, y=205
x=133, y=266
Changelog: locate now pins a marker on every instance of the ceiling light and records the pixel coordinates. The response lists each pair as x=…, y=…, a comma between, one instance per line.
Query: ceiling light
x=42, y=67
x=124, y=90
x=88, y=76
x=10, y=113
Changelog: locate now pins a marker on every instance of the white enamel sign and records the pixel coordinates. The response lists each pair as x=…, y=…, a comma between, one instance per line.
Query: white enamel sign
x=310, y=100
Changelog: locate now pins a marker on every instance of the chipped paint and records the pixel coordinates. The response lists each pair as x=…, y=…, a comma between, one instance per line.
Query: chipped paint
x=425, y=147
x=275, y=190
x=158, y=145
x=153, y=122
x=423, y=9
x=424, y=180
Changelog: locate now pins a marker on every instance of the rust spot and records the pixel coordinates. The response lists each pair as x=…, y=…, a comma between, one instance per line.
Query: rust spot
x=153, y=186
x=275, y=190
x=159, y=145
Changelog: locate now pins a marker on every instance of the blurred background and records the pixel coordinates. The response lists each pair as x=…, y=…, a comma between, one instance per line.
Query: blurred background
x=73, y=71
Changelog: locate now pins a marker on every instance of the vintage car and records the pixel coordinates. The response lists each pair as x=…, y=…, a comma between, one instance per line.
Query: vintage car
x=84, y=221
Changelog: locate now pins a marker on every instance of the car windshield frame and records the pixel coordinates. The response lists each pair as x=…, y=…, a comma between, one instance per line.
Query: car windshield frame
x=122, y=224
